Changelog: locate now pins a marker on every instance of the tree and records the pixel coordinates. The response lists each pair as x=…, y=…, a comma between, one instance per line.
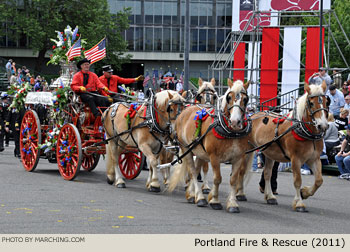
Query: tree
x=39, y=19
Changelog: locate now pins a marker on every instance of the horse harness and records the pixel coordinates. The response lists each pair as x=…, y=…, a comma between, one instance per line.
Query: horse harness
x=298, y=128
x=150, y=121
x=220, y=127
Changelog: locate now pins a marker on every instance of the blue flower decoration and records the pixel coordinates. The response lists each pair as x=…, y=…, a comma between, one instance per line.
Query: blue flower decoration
x=62, y=163
x=65, y=143
x=122, y=89
x=200, y=114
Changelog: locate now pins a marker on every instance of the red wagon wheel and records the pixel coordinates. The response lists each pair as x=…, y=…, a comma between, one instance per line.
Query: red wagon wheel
x=90, y=161
x=69, y=153
x=130, y=163
x=29, y=140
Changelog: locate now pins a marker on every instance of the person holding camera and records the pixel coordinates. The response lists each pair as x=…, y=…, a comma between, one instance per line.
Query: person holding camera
x=320, y=76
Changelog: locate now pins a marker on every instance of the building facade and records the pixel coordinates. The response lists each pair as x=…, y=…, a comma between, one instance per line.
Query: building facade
x=156, y=34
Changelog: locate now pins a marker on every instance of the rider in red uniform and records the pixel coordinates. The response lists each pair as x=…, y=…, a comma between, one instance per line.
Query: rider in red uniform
x=85, y=82
x=112, y=81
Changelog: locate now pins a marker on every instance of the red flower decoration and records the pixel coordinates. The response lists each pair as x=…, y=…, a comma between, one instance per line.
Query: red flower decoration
x=53, y=47
x=58, y=96
x=83, y=49
x=78, y=35
x=51, y=55
x=52, y=148
x=63, y=47
x=50, y=131
x=132, y=93
x=65, y=39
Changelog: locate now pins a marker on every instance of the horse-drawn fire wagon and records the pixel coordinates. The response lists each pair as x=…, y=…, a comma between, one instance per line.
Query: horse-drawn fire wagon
x=70, y=136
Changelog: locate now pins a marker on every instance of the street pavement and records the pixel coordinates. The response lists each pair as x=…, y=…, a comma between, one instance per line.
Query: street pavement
x=41, y=202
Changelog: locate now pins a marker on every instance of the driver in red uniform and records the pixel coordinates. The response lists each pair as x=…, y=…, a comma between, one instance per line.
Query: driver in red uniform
x=86, y=83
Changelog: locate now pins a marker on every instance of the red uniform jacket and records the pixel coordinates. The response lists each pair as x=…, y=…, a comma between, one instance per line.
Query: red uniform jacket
x=94, y=84
x=114, y=80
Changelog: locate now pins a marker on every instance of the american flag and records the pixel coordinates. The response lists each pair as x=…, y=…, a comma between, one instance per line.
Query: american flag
x=182, y=77
x=154, y=78
x=74, y=51
x=145, y=81
x=97, y=52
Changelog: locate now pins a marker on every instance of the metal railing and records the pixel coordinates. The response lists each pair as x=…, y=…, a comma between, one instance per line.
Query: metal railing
x=282, y=103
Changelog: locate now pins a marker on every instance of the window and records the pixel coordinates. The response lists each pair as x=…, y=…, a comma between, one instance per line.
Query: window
x=149, y=39
x=211, y=40
x=219, y=39
x=139, y=39
x=220, y=14
x=130, y=38
x=157, y=39
x=202, y=40
x=194, y=40
x=166, y=39
x=175, y=40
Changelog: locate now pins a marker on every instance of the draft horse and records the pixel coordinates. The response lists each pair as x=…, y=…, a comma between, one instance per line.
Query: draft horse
x=206, y=96
x=297, y=139
x=224, y=138
x=147, y=130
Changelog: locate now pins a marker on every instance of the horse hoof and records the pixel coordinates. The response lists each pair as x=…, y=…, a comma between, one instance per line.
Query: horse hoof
x=109, y=181
x=202, y=203
x=241, y=198
x=121, y=185
x=301, y=210
x=154, y=189
x=233, y=210
x=216, y=206
x=272, y=202
x=206, y=191
x=191, y=200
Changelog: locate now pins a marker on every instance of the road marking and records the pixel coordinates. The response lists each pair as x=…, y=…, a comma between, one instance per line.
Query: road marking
x=115, y=226
x=59, y=221
x=120, y=217
x=92, y=201
x=98, y=210
x=130, y=217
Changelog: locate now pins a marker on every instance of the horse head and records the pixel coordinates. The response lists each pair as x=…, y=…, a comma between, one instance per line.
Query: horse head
x=235, y=102
x=206, y=93
x=169, y=105
x=313, y=106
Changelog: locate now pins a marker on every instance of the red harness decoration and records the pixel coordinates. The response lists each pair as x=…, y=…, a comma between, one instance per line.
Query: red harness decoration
x=297, y=137
x=155, y=112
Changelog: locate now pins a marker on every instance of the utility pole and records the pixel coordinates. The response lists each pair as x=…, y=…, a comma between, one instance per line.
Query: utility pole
x=321, y=25
x=187, y=44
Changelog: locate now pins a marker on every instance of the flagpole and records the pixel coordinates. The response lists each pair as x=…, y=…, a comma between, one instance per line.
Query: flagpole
x=187, y=44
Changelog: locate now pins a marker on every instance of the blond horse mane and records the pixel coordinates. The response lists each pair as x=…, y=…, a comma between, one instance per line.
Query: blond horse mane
x=163, y=97
x=236, y=88
x=206, y=85
x=301, y=103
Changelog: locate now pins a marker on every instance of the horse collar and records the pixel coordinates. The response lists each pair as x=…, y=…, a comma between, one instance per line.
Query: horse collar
x=304, y=132
x=153, y=123
x=222, y=130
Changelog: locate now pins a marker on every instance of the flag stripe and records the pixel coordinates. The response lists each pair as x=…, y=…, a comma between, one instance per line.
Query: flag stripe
x=97, y=52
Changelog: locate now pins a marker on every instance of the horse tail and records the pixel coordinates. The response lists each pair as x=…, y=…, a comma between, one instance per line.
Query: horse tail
x=178, y=175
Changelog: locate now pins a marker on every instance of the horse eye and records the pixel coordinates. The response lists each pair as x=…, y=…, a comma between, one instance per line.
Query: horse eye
x=320, y=101
x=311, y=104
x=237, y=96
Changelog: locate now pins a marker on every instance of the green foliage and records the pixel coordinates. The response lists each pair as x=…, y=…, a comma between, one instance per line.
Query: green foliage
x=39, y=19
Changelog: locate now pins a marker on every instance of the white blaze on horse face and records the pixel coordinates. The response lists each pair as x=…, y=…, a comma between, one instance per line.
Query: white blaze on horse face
x=322, y=122
x=236, y=113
